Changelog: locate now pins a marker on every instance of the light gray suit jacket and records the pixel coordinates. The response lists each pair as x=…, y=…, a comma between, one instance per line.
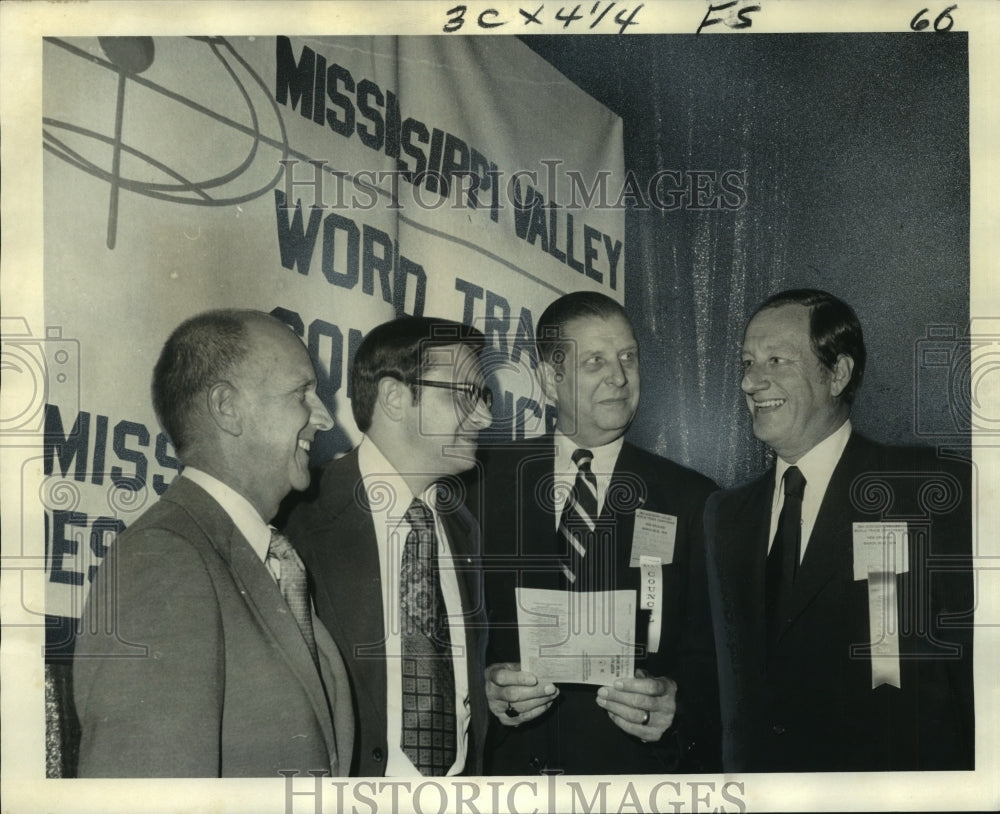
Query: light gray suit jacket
x=189, y=663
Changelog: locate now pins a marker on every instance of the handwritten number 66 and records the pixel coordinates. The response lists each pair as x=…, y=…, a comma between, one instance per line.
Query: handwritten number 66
x=918, y=23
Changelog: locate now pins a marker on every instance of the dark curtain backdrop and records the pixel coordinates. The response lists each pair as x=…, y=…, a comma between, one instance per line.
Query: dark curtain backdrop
x=855, y=149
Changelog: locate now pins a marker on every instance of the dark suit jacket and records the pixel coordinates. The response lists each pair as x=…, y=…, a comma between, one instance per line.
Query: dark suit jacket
x=522, y=547
x=204, y=672
x=335, y=537
x=809, y=705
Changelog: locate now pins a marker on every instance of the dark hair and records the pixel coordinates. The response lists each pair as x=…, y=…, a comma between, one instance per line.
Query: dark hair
x=399, y=349
x=201, y=351
x=834, y=330
x=551, y=327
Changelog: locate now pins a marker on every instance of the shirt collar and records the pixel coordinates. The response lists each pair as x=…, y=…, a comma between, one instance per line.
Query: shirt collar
x=817, y=464
x=245, y=517
x=604, y=456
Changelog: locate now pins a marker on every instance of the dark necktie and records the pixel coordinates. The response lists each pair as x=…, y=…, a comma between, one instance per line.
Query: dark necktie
x=783, y=560
x=292, y=583
x=429, y=726
x=578, y=524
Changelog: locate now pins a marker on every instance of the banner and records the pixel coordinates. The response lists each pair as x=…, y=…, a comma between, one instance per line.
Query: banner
x=335, y=182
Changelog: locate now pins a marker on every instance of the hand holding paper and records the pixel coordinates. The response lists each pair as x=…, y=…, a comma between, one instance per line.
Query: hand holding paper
x=508, y=687
x=577, y=636
x=631, y=699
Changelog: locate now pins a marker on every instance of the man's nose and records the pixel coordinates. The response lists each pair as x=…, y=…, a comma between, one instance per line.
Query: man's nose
x=320, y=416
x=753, y=379
x=616, y=373
x=480, y=417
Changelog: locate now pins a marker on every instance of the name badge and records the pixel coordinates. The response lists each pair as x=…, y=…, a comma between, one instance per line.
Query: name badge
x=881, y=550
x=653, y=536
x=882, y=547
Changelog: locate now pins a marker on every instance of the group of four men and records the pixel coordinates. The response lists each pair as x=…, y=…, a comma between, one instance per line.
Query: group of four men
x=202, y=653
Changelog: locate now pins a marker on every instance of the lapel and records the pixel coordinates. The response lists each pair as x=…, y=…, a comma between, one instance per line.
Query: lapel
x=351, y=580
x=533, y=481
x=829, y=554
x=260, y=593
x=465, y=558
x=742, y=552
x=627, y=489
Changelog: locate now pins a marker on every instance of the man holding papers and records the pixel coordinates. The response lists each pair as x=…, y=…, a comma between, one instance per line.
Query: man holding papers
x=840, y=579
x=595, y=574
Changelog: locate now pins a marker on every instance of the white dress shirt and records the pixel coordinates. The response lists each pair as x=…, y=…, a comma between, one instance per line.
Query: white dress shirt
x=389, y=497
x=603, y=467
x=817, y=467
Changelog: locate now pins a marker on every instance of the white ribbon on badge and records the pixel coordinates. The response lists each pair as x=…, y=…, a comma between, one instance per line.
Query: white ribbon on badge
x=651, y=598
x=884, y=628
x=881, y=550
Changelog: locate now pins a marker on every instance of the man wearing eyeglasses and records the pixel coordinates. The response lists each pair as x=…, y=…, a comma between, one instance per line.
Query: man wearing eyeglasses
x=574, y=512
x=394, y=554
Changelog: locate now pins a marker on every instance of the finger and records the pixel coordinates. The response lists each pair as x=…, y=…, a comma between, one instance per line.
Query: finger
x=640, y=716
x=646, y=685
x=645, y=733
x=665, y=704
x=527, y=696
x=514, y=713
x=527, y=710
x=510, y=674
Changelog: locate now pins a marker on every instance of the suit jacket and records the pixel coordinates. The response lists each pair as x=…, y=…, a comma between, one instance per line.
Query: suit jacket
x=808, y=704
x=523, y=548
x=189, y=663
x=335, y=537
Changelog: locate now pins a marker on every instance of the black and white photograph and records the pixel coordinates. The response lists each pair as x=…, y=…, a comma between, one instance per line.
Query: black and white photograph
x=499, y=406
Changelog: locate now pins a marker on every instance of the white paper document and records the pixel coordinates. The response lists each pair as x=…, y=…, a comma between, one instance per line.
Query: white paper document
x=585, y=637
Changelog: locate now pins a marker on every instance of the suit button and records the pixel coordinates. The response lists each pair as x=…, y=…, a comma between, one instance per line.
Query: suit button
x=778, y=729
x=535, y=763
x=377, y=754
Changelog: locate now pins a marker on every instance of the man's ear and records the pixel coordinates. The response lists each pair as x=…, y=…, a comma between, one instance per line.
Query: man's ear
x=393, y=398
x=841, y=374
x=223, y=407
x=548, y=377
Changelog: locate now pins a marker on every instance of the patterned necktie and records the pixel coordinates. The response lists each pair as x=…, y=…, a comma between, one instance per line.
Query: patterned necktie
x=429, y=725
x=292, y=584
x=783, y=561
x=578, y=523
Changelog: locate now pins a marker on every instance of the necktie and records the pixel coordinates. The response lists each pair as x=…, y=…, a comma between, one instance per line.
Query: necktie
x=578, y=524
x=292, y=584
x=783, y=561
x=428, y=732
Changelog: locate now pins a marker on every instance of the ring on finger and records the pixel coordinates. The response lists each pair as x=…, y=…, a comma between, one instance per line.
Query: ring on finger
x=510, y=712
x=645, y=719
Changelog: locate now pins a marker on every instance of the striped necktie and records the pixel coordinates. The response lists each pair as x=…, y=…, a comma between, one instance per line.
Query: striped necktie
x=578, y=524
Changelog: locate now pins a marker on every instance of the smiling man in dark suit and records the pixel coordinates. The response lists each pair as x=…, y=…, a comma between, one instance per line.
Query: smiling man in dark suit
x=571, y=512
x=840, y=579
x=199, y=655
x=394, y=554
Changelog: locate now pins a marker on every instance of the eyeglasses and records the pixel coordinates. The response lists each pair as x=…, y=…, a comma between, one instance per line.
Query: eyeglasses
x=473, y=393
